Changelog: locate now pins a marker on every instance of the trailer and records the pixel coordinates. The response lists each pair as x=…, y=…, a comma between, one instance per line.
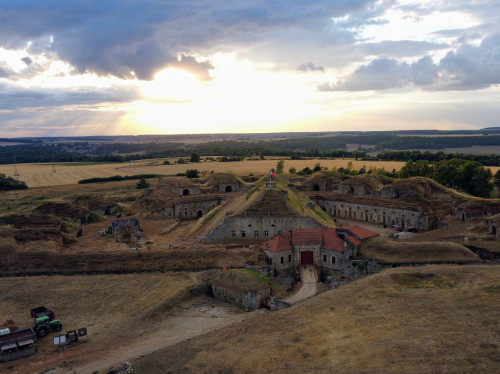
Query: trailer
x=44, y=321
x=42, y=311
x=17, y=344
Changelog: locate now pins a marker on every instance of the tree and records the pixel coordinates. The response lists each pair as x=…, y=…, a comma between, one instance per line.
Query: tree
x=279, y=166
x=447, y=172
x=142, y=184
x=192, y=173
x=476, y=179
x=8, y=183
x=195, y=157
x=420, y=168
x=292, y=170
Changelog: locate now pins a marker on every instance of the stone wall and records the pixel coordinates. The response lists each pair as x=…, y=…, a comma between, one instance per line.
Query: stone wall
x=374, y=214
x=257, y=228
x=247, y=300
x=191, y=209
x=229, y=187
x=186, y=191
x=328, y=262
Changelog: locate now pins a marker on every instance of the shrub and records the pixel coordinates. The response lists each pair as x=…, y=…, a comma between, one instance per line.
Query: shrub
x=192, y=173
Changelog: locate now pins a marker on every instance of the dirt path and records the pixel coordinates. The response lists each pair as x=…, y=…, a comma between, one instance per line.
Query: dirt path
x=233, y=202
x=307, y=288
x=205, y=316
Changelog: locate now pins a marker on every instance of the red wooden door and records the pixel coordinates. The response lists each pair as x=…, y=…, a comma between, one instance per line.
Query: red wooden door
x=306, y=258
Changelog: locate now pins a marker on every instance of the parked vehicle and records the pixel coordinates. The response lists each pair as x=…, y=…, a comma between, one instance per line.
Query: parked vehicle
x=44, y=321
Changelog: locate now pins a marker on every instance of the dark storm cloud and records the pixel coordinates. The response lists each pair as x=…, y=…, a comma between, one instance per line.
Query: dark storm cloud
x=116, y=37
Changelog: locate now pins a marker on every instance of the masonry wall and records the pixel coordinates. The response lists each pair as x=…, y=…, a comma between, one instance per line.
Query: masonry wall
x=191, y=209
x=248, y=300
x=195, y=209
x=186, y=191
x=229, y=187
x=328, y=262
x=257, y=228
x=374, y=214
x=282, y=260
x=335, y=262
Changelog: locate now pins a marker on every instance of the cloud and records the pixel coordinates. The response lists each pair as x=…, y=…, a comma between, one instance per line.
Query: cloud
x=309, y=66
x=400, y=48
x=193, y=66
x=16, y=98
x=117, y=37
x=467, y=68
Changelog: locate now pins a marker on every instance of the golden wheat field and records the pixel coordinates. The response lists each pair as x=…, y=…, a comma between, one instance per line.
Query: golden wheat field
x=40, y=175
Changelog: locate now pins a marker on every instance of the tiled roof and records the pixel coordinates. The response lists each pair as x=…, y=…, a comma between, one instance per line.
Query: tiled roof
x=362, y=233
x=328, y=238
x=333, y=242
x=354, y=240
x=307, y=236
x=278, y=243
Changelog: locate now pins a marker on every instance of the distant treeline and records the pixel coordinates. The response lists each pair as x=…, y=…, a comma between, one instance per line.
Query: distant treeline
x=293, y=147
x=487, y=160
x=116, y=178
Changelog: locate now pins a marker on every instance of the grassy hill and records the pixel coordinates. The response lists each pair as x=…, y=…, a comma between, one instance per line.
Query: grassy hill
x=434, y=319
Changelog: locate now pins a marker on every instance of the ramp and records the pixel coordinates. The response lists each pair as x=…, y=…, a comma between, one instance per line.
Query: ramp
x=308, y=274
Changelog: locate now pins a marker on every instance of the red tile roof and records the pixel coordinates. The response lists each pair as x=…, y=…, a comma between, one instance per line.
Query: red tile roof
x=362, y=233
x=333, y=242
x=279, y=243
x=354, y=240
x=328, y=238
x=307, y=236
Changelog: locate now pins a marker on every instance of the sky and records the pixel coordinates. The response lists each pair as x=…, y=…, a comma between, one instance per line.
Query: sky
x=129, y=67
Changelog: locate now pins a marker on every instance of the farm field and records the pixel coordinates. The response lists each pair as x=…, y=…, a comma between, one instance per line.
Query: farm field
x=39, y=175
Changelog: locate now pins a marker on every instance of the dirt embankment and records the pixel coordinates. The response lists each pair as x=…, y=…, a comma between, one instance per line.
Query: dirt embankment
x=38, y=263
x=438, y=318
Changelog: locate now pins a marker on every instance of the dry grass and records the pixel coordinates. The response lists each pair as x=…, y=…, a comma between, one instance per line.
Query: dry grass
x=389, y=251
x=112, y=307
x=435, y=319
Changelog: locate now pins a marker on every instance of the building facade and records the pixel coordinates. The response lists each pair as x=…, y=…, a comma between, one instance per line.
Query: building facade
x=330, y=250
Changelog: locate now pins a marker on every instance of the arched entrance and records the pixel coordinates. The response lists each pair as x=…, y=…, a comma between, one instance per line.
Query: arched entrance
x=229, y=188
x=316, y=187
x=199, y=213
x=185, y=192
x=494, y=230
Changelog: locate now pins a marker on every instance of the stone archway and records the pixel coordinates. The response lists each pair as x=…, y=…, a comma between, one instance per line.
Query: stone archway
x=199, y=213
x=229, y=188
x=186, y=192
x=316, y=187
x=494, y=230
